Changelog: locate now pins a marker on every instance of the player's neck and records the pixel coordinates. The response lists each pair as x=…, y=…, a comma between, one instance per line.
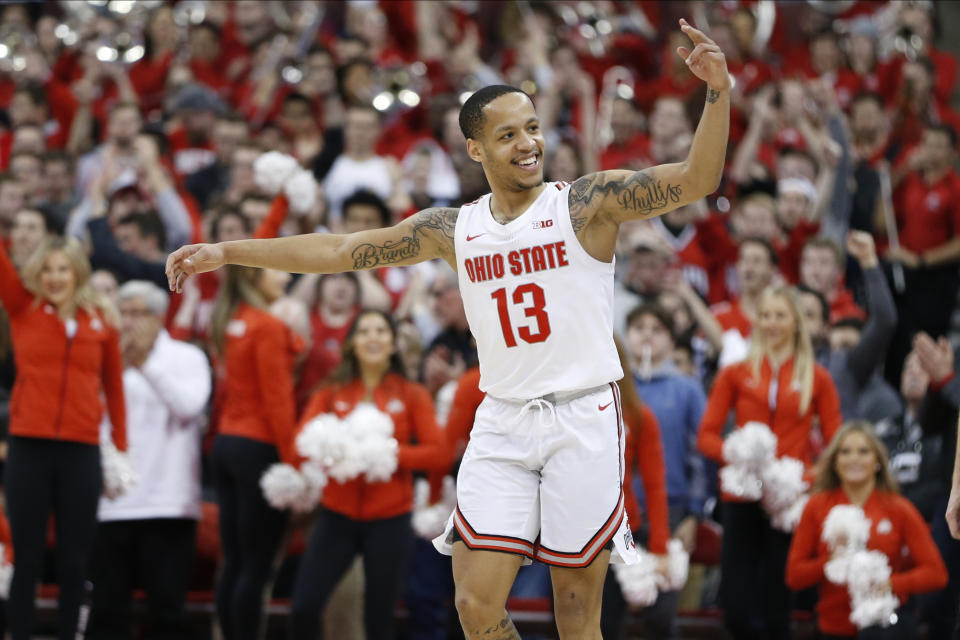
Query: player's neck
x=507, y=204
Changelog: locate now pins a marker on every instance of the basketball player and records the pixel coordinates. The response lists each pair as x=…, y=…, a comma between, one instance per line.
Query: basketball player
x=541, y=477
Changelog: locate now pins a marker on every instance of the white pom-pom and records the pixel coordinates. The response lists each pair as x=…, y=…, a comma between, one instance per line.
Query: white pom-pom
x=752, y=444
x=301, y=192
x=678, y=565
x=638, y=581
x=837, y=568
x=846, y=526
x=381, y=458
x=429, y=521
x=783, y=488
x=316, y=478
x=788, y=519
x=6, y=574
x=286, y=488
x=368, y=421
x=876, y=610
x=119, y=476
x=323, y=439
x=741, y=481
x=272, y=169
x=869, y=572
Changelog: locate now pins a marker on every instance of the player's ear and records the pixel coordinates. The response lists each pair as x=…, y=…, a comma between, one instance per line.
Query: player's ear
x=474, y=150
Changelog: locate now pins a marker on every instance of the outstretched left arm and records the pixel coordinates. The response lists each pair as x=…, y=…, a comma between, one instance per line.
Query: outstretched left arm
x=619, y=196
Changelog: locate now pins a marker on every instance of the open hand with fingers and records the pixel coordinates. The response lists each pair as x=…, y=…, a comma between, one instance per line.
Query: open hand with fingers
x=191, y=259
x=706, y=61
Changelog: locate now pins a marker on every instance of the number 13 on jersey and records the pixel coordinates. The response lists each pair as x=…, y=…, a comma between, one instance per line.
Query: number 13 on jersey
x=534, y=306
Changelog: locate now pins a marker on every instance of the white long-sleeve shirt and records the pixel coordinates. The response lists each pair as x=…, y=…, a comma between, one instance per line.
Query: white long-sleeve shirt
x=165, y=400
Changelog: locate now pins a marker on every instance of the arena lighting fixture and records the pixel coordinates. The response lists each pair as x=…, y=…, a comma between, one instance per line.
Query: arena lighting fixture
x=291, y=74
x=107, y=54
x=189, y=12
x=408, y=97
x=121, y=6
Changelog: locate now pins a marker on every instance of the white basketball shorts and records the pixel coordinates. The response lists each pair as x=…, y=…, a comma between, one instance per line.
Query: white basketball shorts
x=543, y=479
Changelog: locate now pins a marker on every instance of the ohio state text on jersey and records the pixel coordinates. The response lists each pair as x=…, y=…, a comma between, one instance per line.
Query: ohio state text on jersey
x=539, y=306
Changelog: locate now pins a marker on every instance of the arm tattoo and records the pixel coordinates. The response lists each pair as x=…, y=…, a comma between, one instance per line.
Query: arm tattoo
x=712, y=95
x=640, y=194
x=438, y=221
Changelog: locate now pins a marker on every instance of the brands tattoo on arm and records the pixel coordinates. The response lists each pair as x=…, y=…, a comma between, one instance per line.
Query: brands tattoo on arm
x=640, y=195
x=435, y=224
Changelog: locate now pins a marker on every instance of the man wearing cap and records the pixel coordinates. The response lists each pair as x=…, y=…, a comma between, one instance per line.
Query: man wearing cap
x=191, y=147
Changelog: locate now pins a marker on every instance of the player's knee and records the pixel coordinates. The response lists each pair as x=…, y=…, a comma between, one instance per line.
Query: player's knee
x=573, y=611
x=475, y=605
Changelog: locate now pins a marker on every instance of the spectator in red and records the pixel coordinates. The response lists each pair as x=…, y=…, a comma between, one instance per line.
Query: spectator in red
x=915, y=107
x=822, y=265
x=63, y=341
x=629, y=145
x=781, y=385
x=918, y=20
x=358, y=516
x=855, y=471
x=927, y=208
x=30, y=227
x=256, y=429
x=756, y=268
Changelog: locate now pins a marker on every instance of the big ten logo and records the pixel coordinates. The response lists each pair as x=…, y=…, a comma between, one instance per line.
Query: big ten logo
x=542, y=224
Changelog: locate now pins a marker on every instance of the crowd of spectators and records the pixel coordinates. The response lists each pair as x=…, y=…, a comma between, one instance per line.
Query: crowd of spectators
x=134, y=127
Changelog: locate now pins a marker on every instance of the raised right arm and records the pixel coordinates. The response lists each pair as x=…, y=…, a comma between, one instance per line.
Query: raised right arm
x=426, y=235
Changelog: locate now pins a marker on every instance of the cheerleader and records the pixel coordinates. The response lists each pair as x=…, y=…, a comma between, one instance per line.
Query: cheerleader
x=67, y=353
x=780, y=385
x=359, y=516
x=854, y=470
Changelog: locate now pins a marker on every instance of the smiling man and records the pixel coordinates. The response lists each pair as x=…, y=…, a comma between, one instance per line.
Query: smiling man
x=541, y=477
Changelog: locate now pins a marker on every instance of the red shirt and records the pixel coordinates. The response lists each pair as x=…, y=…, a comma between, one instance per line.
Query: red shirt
x=415, y=428
x=895, y=524
x=258, y=401
x=928, y=216
x=627, y=154
x=324, y=355
x=56, y=394
x=735, y=388
x=842, y=306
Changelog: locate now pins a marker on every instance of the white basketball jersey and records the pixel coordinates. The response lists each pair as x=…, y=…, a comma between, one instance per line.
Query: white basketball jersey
x=539, y=306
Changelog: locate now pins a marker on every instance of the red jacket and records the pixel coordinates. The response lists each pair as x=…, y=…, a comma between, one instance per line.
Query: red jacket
x=258, y=401
x=894, y=524
x=59, y=379
x=644, y=448
x=415, y=429
x=734, y=388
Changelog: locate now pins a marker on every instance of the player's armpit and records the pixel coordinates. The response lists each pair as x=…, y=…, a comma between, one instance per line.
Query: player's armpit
x=423, y=236
x=630, y=195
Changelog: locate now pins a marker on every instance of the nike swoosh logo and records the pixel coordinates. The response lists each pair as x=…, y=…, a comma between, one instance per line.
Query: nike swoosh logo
x=604, y=406
x=469, y=237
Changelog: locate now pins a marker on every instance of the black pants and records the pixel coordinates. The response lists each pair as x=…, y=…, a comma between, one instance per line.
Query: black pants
x=250, y=533
x=154, y=554
x=335, y=541
x=43, y=475
x=753, y=593
x=905, y=629
x=659, y=617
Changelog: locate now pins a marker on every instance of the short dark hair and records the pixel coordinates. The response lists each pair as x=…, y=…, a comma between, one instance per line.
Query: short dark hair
x=803, y=153
x=944, y=128
x=53, y=223
x=370, y=199
x=148, y=224
x=657, y=311
x=36, y=93
x=471, y=113
x=821, y=299
x=296, y=96
x=762, y=242
x=219, y=216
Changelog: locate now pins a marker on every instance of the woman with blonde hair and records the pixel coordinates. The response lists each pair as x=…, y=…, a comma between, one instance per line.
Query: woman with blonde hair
x=67, y=353
x=780, y=385
x=854, y=470
x=256, y=426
